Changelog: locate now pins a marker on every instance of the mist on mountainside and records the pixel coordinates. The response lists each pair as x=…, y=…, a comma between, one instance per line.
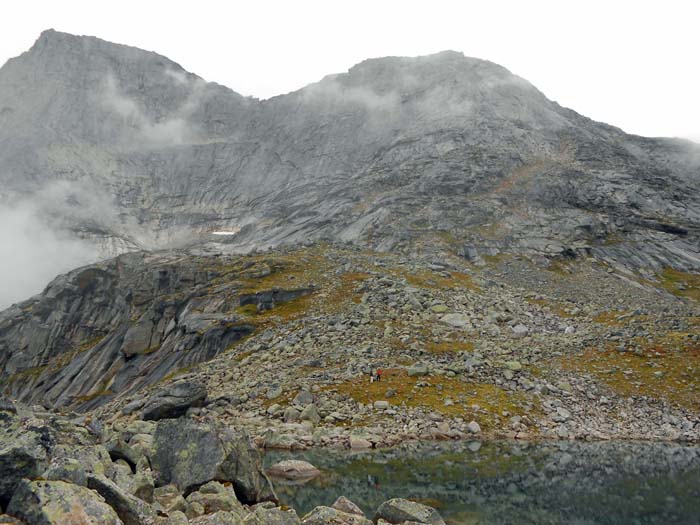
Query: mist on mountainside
x=33, y=250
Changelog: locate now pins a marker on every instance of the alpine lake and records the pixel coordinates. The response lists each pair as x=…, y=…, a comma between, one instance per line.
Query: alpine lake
x=508, y=482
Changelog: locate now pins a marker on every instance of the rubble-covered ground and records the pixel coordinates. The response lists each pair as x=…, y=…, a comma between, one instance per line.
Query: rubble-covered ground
x=507, y=349
x=138, y=390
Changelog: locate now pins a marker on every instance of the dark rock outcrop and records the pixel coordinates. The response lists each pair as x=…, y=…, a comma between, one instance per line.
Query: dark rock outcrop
x=174, y=401
x=7, y=405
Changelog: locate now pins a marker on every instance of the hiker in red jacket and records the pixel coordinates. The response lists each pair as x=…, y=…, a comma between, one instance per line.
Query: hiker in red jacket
x=379, y=374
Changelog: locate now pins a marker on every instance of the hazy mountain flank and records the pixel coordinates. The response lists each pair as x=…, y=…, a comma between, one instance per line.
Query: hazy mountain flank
x=128, y=150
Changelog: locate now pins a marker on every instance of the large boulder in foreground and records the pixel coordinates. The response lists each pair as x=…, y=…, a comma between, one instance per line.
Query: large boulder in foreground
x=173, y=401
x=60, y=503
x=398, y=510
x=326, y=515
x=189, y=454
x=24, y=453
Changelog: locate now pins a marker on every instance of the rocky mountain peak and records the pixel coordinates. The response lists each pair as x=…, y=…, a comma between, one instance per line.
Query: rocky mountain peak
x=390, y=152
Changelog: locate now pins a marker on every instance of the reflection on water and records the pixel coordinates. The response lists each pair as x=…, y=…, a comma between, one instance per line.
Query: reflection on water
x=513, y=483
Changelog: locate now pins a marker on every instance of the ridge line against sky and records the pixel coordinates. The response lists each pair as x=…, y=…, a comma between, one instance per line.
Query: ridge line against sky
x=629, y=64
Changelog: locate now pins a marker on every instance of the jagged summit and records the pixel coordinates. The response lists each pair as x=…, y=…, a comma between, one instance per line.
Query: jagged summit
x=59, y=42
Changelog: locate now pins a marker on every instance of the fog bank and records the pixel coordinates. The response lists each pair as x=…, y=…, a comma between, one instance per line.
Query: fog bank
x=33, y=252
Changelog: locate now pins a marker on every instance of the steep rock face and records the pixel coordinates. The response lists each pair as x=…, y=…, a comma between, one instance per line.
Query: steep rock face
x=116, y=326
x=389, y=154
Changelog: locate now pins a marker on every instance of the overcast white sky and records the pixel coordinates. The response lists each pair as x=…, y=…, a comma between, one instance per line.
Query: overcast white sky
x=633, y=64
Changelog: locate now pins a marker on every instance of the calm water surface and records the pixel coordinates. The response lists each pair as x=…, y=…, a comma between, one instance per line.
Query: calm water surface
x=513, y=483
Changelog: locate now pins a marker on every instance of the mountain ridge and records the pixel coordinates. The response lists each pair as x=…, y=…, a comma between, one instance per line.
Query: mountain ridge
x=386, y=155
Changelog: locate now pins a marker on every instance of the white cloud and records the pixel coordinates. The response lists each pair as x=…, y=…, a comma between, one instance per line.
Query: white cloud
x=33, y=251
x=147, y=132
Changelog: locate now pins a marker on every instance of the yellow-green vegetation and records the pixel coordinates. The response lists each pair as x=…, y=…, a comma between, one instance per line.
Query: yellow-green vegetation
x=668, y=368
x=248, y=309
x=467, y=397
x=102, y=389
x=284, y=399
x=448, y=347
x=610, y=317
x=434, y=280
x=56, y=363
x=559, y=267
x=498, y=259
x=288, y=310
x=681, y=284
x=27, y=374
x=332, y=292
x=177, y=373
x=87, y=345
x=553, y=306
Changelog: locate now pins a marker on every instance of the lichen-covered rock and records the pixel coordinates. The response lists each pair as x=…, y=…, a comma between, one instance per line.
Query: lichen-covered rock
x=68, y=470
x=188, y=454
x=176, y=518
x=9, y=520
x=328, y=515
x=24, y=453
x=60, y=503
x=169, y=498
x=214, y=496
x=261, y=515
x=92, y=458
x=130, y=509
x=399, y=510
x=173, y=401
x=218, y=518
